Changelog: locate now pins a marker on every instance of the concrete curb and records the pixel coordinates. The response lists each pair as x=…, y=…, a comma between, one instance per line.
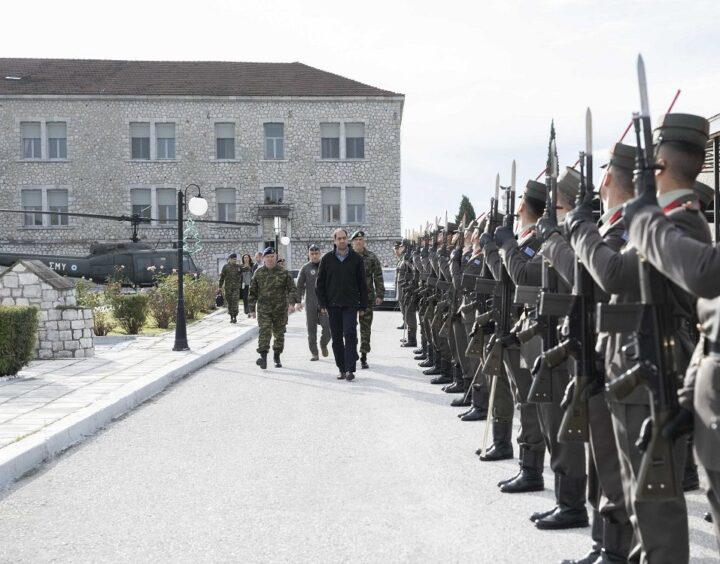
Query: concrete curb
x=25, y=455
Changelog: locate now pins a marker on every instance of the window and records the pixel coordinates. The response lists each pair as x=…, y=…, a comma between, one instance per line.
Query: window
x=355, y=204
x=274, y=194
x=166, y=205
x=31, y=135
x=141, y=201
x=355, y=140
x=140, y=141
x=274, y=141
x=165, y=141
x=57, y=139
x=224, y=141
x=330, y=205
x=46, y=199
x=57, y=201
x=330, y=140
x=225, y=204
x=32, y=201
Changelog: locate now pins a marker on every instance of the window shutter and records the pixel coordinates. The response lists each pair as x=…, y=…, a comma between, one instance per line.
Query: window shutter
x=56, y=130
x=224, y=130
x=30, y=129
x=165, y=130
x=330, y=130
x=57, y=198
x=32, y=198
x=225, y=195
x=166, y=196
x=331, y=196
x=354, y=130
x=139, y=129
x=355, y=195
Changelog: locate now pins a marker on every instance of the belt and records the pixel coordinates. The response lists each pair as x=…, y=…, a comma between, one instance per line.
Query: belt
x=711, y=348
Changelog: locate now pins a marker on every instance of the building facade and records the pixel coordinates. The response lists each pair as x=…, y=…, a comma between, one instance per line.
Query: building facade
x=293, y=149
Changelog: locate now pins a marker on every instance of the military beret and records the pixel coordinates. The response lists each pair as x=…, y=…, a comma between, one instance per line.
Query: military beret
x=358, y=233
x=621, y=156
x=232, y=255
x=536, y=190
x=685, y=128
x=268, y=251
x=313, y=247
x=397, y=244
x=568, y=183
x=705, y=194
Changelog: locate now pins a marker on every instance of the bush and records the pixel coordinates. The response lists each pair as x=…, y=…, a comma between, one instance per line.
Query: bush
x=130, y=311
x=199, y=295
x=18, y=334
x=104, y=322
x=162, y=301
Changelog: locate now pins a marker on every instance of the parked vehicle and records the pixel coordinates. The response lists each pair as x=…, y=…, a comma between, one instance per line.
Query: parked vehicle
x=390, y=301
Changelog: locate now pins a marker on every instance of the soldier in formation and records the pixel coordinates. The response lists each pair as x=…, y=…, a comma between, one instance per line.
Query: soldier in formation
x=230, y=284
x=273, y=296
x=499, y=306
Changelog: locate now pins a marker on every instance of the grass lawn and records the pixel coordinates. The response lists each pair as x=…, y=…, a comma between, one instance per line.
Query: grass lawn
x=151, y=329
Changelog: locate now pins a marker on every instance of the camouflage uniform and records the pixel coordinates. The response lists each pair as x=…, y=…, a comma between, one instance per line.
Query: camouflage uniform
x=271, y=291
x=231, y=278
x=376, y=288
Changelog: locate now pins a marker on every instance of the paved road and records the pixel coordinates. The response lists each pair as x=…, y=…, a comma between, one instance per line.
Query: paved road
x=288, y=465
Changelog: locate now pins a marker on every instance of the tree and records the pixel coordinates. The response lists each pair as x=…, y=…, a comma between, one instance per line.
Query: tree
x=465, y=208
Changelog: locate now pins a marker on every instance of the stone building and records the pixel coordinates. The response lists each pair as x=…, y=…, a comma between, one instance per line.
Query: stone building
x=298, y=150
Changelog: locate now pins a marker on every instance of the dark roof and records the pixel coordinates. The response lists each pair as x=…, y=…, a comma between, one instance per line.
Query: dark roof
x=44, y=273
x=173, y=78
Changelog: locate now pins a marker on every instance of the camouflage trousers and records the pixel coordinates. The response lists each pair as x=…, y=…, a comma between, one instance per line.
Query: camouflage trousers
x=365, y=330
x=272, y=323
x=232, y=298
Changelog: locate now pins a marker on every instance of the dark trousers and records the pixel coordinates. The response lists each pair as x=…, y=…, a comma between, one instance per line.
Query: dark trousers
x=246, y=298
x=343, y=328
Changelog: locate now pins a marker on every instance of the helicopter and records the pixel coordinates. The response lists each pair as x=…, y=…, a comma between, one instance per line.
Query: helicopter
x=137, y=262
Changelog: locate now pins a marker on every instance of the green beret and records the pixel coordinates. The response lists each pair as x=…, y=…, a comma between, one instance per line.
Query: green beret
x=358, y=233
x=622, y=156
x=536, y=190
x=705, y=194
x=568, y=183
x=685, y=128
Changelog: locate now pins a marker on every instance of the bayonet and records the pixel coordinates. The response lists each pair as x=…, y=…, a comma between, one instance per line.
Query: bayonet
x=642, y=81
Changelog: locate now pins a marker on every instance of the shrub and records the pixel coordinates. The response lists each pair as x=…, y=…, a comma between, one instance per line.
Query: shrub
x=162, y=301
x=199, y=295
x=130, y=311
x=104, y=322
x=18, y=333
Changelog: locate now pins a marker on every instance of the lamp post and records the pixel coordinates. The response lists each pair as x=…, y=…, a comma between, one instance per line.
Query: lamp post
x=197, y=206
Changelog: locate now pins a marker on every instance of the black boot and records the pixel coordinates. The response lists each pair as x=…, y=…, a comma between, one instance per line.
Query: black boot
x=445, y=375
x=363, y=360
x=401, y=327
x=420, y=356
x=276, y=358
x=430, y=360
x=708, y=517
x=530, y=478
x=457, y=387
x=436, y=367
x=479, y=411
x=691, y=480
x=262, y=361
x=411, y=339
x=590, y=558
x=570, y=512
x=463, y=400
x=617, y=541
x=501, y=449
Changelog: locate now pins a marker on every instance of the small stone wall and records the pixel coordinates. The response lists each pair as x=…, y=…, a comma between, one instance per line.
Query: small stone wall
x=65, y=329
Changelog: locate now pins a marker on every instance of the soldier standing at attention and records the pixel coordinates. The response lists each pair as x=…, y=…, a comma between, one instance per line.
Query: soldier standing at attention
x=231, y=278
x=376, y=291
x=306, y=285
x=273, y=294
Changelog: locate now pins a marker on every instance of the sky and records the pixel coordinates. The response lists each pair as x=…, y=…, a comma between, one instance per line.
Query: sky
x=482, y=79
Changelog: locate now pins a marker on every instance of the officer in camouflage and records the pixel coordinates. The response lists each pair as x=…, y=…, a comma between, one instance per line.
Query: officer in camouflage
x=274, y=295
x=231, y=279
x=376, y=291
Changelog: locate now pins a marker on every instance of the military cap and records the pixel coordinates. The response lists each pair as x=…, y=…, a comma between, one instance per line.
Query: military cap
x=358, y=233
x=705, y=194
x=452, y=227
x=685, y=128
x=313, y=247
x=621, y=156
x=232, y=255
x=536, y=190
x=269, y=251
x=397, y=244
x=568, y=183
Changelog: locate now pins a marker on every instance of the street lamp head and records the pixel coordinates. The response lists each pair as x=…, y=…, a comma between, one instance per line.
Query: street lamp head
x=198, y=205
x=285, y=240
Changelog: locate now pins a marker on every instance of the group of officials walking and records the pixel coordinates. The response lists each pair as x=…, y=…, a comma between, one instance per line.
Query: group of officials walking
x=452, y=281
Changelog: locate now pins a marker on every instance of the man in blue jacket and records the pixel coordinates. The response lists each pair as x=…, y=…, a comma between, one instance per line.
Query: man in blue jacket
x=342, y=293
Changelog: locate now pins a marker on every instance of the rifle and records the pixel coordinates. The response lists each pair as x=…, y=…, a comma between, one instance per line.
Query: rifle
x=541, y=388
x=493, y=365
x=579, y=342
x=655, y=368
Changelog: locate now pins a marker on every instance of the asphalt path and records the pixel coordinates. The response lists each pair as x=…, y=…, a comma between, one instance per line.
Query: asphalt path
x=236, y=464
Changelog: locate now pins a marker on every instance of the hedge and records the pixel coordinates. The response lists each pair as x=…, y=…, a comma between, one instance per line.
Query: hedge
x=18, y=336
x=130, y=310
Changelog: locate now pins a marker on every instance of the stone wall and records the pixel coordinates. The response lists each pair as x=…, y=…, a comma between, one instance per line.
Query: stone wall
x=65, y=330
x=99, y=173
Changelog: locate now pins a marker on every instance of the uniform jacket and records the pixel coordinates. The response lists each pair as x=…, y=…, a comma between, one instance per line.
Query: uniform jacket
x=272, y=289
x=694, y=266
x=307, y=278
x=373, y=276
x=230, y=277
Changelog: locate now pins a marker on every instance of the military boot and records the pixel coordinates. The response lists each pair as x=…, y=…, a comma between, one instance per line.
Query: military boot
x=422, y=355
x=423, y=346
x=363, y=360
x=262, y=361
x=464, y=400
x=530, y=478
x=457, y=387
x=479, y=411
x=617, y=542
x=444, y=375
x=570, y=512
x=276, y=358
x=691, y=480
x=401, y=327
x=430, y=360
x=501, y=449
x=411, y=339
x=436, y=367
